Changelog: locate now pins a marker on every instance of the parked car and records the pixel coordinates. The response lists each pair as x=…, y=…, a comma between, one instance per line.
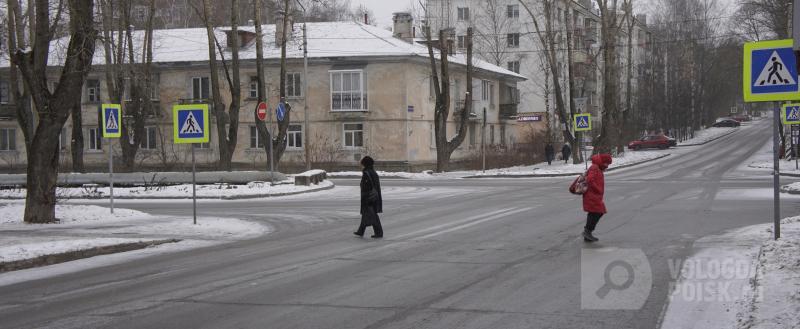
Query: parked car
x=726, y=123
x=650, y=141
x=742, y=118
x=672, y=141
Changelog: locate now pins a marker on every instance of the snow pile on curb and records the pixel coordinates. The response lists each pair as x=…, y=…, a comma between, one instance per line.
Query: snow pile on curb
x=706, y=135
x=793, y=188
x=183, y=191
x=86, y=226
x=740, y=279
x=406, y=175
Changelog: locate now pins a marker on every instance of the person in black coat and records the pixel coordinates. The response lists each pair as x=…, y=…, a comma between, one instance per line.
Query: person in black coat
x=566, y=151
x=549, y=153
x=371, y=200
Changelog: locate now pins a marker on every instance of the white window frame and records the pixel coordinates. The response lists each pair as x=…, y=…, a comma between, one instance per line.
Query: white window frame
x=252, y=87
x=361, y=93
x=485, y=90
x=146, y=141
x=296, y=88
x=8, y=139
x=349, y=135
x=512, y=11
x=512, y=40
x=254, y=135
x=95, y=139
x=461, y=41
x=92, y=92
x=155, y=92
x=462, y=13
x=192, y=89
x=292, y=137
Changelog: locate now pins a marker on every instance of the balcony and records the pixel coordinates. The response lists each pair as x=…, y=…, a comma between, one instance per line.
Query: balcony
x=507, y=111
x=7, y=112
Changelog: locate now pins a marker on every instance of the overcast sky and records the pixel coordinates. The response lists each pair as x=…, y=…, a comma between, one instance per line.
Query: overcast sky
x=383, y=9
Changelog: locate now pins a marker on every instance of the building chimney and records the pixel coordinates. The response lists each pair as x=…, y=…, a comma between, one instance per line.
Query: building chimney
x=279, y=26
x=403, y=26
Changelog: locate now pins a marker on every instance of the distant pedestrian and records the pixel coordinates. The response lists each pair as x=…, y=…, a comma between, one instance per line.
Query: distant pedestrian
x=566, y=151
x=593, y=203
x=549, y=153
x=371, y=200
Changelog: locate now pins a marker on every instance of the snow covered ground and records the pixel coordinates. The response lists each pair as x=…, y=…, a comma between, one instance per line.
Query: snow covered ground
x=86, y=226
x=183, y=191
x=558, y=168
x=740, y=279
x=763, y=160
x=707, y=135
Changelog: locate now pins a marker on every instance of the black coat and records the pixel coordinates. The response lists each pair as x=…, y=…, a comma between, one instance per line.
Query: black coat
x=369, y=178
x=566, y=151
x=548, y=151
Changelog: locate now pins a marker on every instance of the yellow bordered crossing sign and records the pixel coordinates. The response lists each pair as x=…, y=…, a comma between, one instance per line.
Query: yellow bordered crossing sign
x=110, y=115
x=190, y=123
x=791, y=114
x=582, y=122
x=770, y=72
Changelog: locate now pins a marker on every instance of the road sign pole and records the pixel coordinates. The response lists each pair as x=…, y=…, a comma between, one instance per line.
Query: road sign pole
x=583, y=152
x=776, y=173
x=271, y=154
x=111, y=173
x=194, y=191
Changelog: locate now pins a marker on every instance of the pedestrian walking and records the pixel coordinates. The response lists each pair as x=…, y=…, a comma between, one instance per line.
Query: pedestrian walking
x=566, y=151
x=549, y=153
x=593, y=203
x=371, y=200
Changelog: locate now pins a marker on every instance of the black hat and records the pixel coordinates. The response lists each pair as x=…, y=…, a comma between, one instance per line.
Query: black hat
x=367, y=161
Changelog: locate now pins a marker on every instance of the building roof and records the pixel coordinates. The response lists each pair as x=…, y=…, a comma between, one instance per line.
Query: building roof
x=325, y=40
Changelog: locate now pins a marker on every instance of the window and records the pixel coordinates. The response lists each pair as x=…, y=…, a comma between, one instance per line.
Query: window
x=491, y=94
x=485, y=90
x=255, y=138
x=512, y=11
x=8, y=139
x=62, y=140
x=463, y=13
x=473, y=139
x=200, y=88
x=155, y=92
x=95, y=139
x=348, y=91
x=294, y=85
x=491, y=134
x=149, y=141
x=252, y=91
x=294, y=137
x=92, y=91
x=502, y=135
x=513, y=66
x=461, y=42
x=4, y=92
x=512, y=39
x=201, y=146
x=353, y=135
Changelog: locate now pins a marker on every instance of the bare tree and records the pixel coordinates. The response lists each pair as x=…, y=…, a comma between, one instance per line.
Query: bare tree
x=610, y=27
x=53, y=108
x=492, y=25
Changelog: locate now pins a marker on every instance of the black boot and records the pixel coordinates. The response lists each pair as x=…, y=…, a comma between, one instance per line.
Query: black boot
x=588, y=237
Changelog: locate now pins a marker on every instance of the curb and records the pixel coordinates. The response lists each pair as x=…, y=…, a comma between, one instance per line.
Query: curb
x=78, y=254
x=233, y=197
x=567, y=174
x=357, y=177
x=710, y=140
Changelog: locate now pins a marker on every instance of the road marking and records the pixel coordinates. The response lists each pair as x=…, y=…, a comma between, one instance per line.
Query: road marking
x=463, y=226
x=433, y=228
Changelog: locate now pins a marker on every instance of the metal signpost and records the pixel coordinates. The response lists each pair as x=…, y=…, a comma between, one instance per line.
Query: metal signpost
x=261, y=111
x=110, y=116
x=770, y=75
x=582, y=122
x=190, y=126
x=790, y=115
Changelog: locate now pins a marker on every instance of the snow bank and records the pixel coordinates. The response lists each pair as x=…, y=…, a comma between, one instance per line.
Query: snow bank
x=707, y=135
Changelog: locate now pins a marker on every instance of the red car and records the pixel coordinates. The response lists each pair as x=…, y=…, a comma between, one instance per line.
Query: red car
x=651, y=141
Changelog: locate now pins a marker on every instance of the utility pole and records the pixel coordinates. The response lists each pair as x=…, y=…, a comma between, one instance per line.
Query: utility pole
x=305, y=91
x=483, y=142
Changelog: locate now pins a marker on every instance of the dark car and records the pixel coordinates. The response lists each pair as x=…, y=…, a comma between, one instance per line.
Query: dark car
x=726, y=123
x=651, y=141
x=672, y=141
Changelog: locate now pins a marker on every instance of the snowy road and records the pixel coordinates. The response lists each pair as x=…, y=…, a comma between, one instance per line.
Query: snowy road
x=488, y=253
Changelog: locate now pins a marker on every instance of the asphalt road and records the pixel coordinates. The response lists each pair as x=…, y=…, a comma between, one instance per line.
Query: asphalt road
x=469, y=253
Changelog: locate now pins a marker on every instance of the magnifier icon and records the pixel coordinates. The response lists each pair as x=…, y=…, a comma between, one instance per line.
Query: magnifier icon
x=610, y=284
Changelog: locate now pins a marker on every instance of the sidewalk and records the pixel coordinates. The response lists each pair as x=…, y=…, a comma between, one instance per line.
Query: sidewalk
x=740, y=279
x=86, y=230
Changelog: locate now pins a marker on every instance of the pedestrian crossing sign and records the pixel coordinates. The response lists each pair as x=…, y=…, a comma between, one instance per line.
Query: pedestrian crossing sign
x=110, y=120
x=190, y=123
x=582, y=122
x=770, y=71
x=791, y=114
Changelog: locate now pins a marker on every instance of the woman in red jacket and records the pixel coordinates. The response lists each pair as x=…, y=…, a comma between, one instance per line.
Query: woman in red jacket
x=593, y=197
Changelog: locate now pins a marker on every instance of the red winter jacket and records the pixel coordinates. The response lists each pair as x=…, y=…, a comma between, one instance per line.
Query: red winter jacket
x=593, y=197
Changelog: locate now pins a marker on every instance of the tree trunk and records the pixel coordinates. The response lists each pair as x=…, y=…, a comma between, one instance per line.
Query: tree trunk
x=217, y=108
x=236, y=92
x=76, y=144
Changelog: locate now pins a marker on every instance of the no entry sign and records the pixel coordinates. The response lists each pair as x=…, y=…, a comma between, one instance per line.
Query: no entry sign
x=261, y=111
